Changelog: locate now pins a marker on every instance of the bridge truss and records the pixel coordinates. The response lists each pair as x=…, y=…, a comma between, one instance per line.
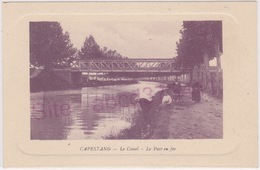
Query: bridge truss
x=130, y=65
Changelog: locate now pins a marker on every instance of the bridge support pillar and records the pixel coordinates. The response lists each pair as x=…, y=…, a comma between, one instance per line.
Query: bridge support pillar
x=187, y=78
x=76, y=78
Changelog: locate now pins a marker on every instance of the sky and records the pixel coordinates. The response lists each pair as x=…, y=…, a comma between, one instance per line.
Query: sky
x=130, y=39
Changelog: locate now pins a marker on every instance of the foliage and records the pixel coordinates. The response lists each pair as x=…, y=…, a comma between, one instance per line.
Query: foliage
x=91, y=50
x=49, y=46
x=199, y=38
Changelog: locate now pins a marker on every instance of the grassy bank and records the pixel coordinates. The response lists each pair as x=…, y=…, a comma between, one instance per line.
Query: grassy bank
x=187, y=120
x=140, y=128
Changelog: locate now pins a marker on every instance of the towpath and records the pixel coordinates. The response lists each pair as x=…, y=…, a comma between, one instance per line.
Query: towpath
x=203, y=120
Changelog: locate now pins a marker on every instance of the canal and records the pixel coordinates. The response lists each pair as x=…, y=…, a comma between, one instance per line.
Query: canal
x=87, y=113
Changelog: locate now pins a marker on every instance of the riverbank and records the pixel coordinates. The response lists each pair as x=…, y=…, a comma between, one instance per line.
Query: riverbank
x=97, y=83
x=49, y=80
x=188, y=120
x=160, y=81
x=140, y=128
x=55, y=83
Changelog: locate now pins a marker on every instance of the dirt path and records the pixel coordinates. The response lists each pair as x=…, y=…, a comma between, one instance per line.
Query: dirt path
x=191, y=120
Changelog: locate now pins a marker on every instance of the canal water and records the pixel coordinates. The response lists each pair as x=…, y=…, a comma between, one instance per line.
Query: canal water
x=87, y=113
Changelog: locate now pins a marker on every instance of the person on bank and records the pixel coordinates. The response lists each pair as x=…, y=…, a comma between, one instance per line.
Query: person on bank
x=166, y=101
x=196, y=92
x=177, y=91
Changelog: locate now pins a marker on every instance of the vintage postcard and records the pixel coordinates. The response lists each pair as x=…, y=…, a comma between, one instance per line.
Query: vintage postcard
x=130, y=84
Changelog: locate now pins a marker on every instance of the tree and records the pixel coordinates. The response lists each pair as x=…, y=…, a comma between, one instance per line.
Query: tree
x=49, y=46
x=198, y=38
x=200, y=42
x=90, y=49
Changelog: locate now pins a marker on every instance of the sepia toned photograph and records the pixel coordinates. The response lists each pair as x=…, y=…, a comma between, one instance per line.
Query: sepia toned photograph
x=126, y=80
x=130, y=84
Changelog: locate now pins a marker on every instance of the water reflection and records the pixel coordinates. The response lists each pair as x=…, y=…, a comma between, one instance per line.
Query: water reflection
x=87, y=113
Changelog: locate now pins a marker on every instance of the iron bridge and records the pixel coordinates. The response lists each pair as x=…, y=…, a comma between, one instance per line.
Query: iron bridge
x=152, y=65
